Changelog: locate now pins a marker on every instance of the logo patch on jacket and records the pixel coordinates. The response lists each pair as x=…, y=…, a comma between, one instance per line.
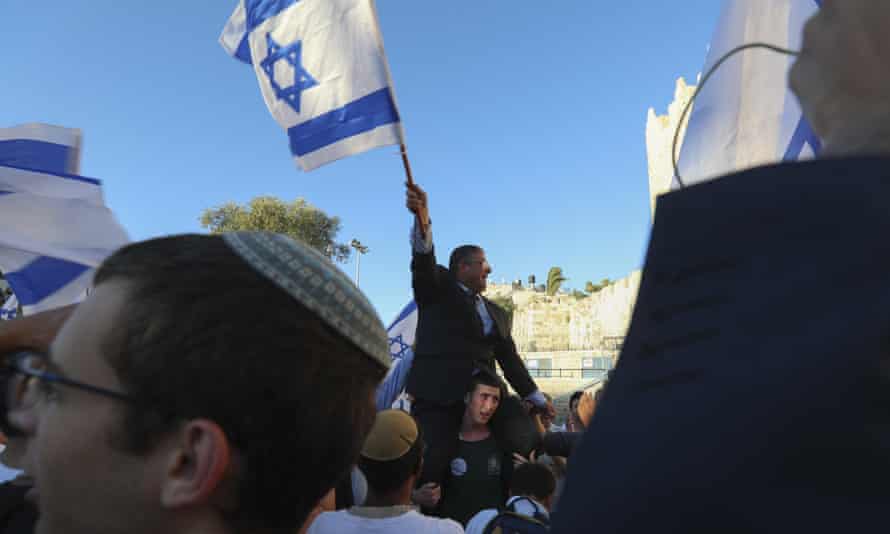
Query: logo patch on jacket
x=458, y=467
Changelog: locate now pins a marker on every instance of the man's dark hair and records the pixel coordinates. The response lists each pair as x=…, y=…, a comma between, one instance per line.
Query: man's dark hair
x=460, y=255
x=533, y=480
x=487, y=378
x=386, y=477
x=292, y=396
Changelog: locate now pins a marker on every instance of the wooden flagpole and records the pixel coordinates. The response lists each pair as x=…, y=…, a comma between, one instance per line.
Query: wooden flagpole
x=410, y=176
x=406, y=163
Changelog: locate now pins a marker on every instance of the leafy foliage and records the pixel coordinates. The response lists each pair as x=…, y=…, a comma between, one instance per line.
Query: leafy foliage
x=555, y=280
x=590, y=287
x=298, y=219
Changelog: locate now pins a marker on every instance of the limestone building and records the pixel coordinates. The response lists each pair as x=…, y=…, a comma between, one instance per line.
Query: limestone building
x=569, y=343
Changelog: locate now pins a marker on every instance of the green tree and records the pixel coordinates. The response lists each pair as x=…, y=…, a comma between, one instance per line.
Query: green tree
x=298, y=219
x=555, y=279
x=590, y=287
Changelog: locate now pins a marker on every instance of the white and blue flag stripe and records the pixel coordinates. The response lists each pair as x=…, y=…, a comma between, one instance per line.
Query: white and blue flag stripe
x=322, y=72
x=746, y=116
x=41, y=147
x=56, y=214
x=54, y=225
x=234, y=35
x=401, y=339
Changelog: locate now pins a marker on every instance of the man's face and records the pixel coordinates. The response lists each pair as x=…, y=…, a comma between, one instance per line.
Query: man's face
x=482, y=404
x=83, y=484
x=474, y=272
x=842, y=76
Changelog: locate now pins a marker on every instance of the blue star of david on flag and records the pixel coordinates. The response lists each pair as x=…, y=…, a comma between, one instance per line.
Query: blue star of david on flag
x=401, y=337
x=292, y=54
x=398, y=347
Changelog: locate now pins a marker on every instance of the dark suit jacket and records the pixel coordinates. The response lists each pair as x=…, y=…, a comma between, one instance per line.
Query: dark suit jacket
x=752, y=391
x=449, y=340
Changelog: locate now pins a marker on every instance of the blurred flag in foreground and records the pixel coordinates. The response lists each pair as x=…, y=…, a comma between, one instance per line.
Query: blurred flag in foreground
x=41, y=147
x=54, y=225
x=746, y=116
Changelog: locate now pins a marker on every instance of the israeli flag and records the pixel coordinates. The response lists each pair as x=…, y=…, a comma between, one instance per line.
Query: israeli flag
x=322, y=72
x=54, y=225
x=10, y=308
x=41, y=147
x=401, y=339
x=746, y=116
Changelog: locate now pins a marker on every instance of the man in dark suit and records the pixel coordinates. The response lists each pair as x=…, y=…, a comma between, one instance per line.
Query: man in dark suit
x=458, y=333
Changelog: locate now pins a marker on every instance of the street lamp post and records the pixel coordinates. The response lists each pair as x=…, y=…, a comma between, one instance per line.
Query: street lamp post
x=360, y=251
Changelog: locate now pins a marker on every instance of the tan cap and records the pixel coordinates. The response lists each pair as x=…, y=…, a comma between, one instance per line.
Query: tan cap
x=392, y=436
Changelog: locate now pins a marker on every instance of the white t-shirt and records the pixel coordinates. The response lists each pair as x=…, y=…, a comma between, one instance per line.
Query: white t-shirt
x=527, y=506
x=347, y=522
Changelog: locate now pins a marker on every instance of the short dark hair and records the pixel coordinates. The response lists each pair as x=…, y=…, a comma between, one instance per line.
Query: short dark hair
x=486, y=377
x=533, y=480
x=182, y=349
x=461, y=254
x=386, y=477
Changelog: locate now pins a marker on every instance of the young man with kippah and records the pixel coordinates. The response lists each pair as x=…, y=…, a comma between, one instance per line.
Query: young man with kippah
x=158, y=409
x=391, y=460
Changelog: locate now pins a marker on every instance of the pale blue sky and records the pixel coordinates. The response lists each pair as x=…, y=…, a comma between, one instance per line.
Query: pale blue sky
x=525, y=123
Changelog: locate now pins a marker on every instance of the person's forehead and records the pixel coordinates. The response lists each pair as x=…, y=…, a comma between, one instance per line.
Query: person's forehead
x=485, y=389
x=80, y=341
x=477, y=257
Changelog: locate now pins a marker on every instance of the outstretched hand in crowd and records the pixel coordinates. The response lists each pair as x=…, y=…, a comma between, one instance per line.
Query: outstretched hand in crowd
x=33, y=332
x=586, y=407
x=416, y=202
x=428, y=495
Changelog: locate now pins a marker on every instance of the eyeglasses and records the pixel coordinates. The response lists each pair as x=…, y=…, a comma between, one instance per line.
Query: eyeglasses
x=35, y=367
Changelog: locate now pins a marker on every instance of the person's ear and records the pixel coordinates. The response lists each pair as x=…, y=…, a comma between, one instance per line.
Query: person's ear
x=197, y=464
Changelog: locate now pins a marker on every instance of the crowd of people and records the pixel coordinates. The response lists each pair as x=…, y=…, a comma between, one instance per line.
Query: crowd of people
x=149, y=407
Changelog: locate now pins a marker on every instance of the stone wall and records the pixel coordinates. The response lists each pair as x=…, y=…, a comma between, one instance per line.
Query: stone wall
x=564, y=329
x=542, y=323
x=660, y=131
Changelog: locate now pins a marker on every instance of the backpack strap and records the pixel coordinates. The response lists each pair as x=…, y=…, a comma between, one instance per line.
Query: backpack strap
x=538, y=515
x=511, y=522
